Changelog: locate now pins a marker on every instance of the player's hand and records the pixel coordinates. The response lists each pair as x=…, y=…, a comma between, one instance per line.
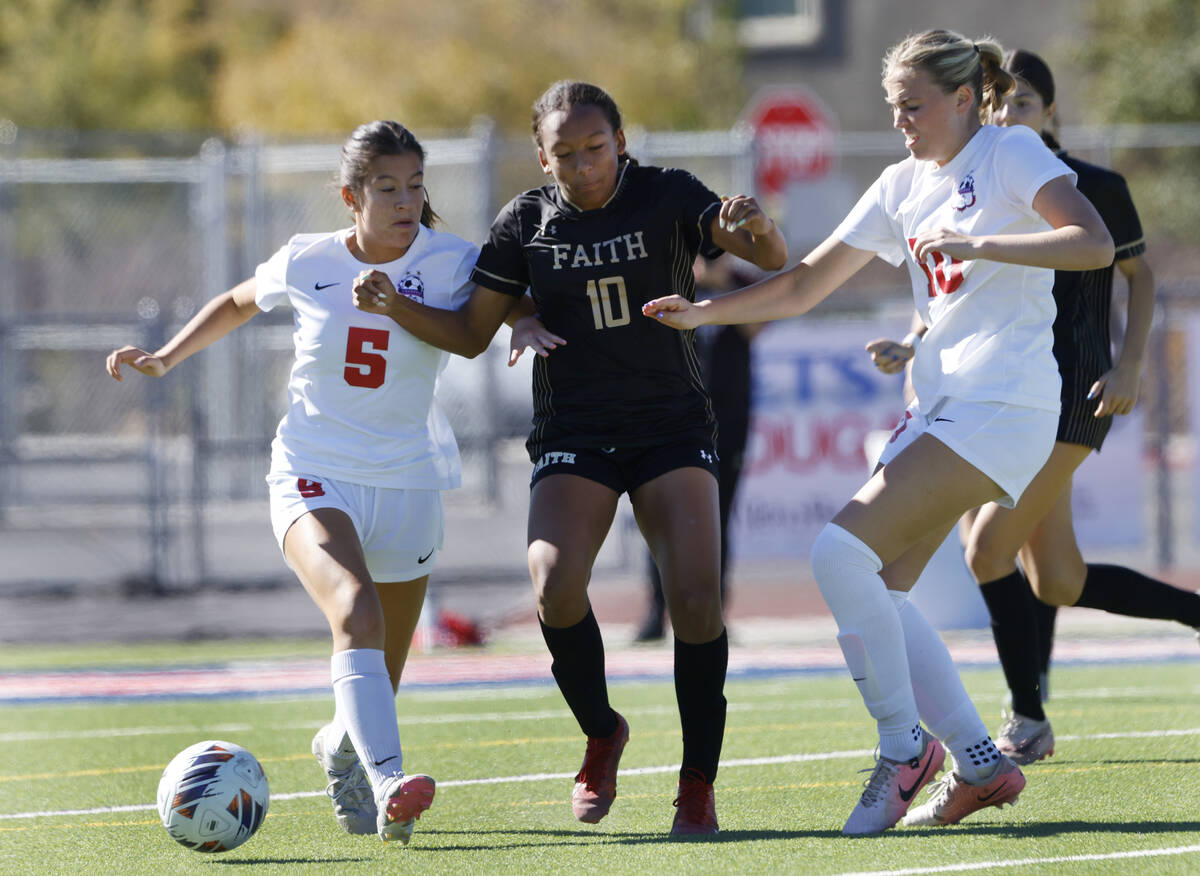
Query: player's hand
x=889, y=356
x=137, y=359
x=946, y=241
x=373, y=292
x=675, y=311
x=742, y=211
x=528, y=332
x=1117, y=390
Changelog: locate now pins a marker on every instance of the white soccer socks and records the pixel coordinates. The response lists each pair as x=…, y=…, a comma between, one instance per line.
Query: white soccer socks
x=941, y=698
x=366, y=707
x=870, y=635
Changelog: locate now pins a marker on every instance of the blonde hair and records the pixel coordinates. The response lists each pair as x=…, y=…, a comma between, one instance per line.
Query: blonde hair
x=952, y=61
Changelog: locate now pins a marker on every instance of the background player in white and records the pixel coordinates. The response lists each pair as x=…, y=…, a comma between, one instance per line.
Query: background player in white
x=981, y=216
x=360, y=458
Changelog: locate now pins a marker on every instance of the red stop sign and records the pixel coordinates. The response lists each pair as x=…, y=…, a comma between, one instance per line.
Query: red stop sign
x=793, y=138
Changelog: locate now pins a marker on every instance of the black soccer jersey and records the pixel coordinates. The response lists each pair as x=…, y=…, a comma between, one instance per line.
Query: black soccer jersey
x=621, y=379
x=1082, y=344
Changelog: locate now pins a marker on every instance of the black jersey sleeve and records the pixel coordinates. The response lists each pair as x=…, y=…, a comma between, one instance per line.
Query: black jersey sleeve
x=1107, y=191
x=698, y=206
x=1116, y=209
x=501, y=265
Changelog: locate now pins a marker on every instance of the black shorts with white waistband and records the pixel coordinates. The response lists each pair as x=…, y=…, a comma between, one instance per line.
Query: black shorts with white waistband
x=624, y=469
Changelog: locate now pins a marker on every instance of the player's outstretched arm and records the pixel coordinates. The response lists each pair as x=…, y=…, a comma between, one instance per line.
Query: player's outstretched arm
x=466, y=331
x=789, y=293
x=215, y=320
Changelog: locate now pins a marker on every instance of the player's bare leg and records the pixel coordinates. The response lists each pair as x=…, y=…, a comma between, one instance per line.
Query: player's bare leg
x=569, y=517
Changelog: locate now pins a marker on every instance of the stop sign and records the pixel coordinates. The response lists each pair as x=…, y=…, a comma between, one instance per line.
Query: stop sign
x=793, y=137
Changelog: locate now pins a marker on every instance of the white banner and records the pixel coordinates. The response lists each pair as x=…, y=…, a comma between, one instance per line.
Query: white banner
x=817, y=397
x=1108, y=497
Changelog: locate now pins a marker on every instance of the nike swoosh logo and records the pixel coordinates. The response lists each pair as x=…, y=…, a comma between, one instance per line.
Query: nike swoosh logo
x=906, y=794
x=320, y=286
x=427, y=556
x=385, y=760
x=987, y=797
x=942, y=420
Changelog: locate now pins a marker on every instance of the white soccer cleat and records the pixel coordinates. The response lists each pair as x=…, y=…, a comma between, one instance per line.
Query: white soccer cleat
x=348, y=788
x=401, y=801
x=1025, y=740
x=891, y=788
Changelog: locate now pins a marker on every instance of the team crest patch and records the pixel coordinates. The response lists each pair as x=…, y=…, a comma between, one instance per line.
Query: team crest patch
x=965, y=198
x=410, y=285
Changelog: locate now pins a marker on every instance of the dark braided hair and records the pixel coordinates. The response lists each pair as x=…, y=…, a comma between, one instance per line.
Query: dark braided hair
x=568, y=93
x=367, y=143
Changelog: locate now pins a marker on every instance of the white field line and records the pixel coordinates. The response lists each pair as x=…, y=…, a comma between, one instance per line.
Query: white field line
x=1030, y=862
x=539, y=777
x=404, y=720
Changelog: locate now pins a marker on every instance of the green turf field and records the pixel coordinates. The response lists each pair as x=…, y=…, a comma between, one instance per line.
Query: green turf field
x=1122, y=794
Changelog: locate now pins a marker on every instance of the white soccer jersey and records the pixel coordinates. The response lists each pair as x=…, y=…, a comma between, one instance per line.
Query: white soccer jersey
x=989, y=335
x=361, y=405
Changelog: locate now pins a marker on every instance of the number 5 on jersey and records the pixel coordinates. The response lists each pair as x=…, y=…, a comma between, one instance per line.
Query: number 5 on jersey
x=365, y=368
x=947, y=273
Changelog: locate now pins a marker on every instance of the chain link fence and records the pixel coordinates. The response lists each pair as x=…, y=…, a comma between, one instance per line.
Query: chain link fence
x=100, y=252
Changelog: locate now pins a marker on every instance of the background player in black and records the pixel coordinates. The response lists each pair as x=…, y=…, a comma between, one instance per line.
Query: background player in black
x=725, y=359
x=1040, y=529
x=619, y=406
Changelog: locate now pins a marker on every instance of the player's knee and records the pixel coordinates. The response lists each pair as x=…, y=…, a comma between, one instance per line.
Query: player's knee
x=836, y=550
x=695, y=607
x=1060, y=585
x=355, y=615
x=988, y=559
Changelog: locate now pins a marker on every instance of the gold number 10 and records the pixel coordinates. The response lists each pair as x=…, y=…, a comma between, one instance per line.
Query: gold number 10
x=600, y=294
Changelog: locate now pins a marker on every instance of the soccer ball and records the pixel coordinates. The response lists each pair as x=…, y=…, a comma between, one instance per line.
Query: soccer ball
x=212, y=796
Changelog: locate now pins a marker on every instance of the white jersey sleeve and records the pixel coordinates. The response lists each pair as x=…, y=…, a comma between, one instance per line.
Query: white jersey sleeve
x=870, y=227
x=270, y=279
x=1025, y=164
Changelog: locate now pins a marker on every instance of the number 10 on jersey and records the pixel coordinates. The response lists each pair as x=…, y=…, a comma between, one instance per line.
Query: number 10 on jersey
x=601, y=294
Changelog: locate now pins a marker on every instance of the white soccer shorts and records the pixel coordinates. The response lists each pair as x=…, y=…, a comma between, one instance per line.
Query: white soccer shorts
x=1008, y=443
x=401, y=531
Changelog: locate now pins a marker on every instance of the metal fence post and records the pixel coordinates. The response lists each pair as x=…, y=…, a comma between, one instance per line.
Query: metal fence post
x=157, y=500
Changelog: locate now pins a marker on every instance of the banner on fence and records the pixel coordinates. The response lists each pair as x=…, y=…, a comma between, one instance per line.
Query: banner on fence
x=817, y=398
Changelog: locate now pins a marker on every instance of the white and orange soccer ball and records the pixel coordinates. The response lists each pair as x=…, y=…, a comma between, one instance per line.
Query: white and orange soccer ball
x=213, y=796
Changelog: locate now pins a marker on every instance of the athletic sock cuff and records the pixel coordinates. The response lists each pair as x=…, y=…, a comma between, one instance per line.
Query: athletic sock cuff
x=357, y=661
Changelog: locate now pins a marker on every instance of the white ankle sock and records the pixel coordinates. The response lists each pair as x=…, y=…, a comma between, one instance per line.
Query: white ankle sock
x=945, y=707
x=366, y=707
x=869, y=633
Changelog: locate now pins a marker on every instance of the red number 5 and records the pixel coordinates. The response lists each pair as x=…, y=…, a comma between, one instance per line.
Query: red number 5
x=356, y=354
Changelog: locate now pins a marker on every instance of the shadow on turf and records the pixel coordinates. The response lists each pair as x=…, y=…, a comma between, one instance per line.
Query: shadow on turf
x=1054, y=828
x=581, y=837
x=244, y=862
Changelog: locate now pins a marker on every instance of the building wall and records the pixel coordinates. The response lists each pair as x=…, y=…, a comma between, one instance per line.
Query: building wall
x=844, y=68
